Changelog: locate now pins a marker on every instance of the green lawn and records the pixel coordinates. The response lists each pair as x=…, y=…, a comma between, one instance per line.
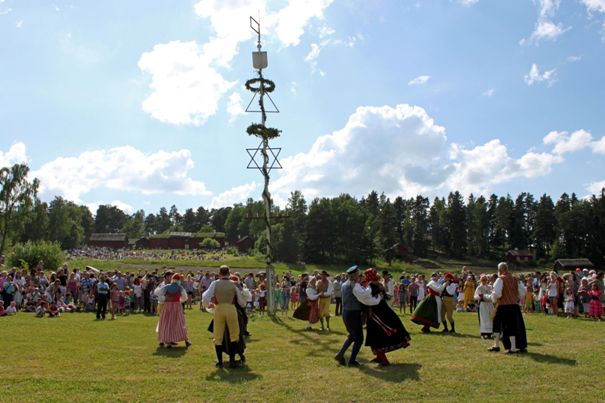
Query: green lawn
x=75, y=357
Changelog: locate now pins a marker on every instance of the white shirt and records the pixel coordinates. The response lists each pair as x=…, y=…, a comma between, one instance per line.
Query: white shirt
x=364, y=295
x=435, y=286
x=390, y=287
x=312, y=294
x=209, y=293
x=499, y=285
x=330, y=290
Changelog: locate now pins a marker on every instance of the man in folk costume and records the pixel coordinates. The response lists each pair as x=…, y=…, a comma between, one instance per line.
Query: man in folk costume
x=224, y=293
x=509, y=326
x=171, y=326
x=483, y=296
x=389, y=285
x=448, y=302
x=354, y=297
x=325, y=289
x=428, y=311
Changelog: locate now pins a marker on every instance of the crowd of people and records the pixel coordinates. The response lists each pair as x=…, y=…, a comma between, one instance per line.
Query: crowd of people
x=498, y=299
x=102, y=253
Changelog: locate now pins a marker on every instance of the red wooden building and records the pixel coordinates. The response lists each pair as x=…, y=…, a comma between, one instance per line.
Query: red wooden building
x=106, y=240
x=519, y=256
x=178, y=240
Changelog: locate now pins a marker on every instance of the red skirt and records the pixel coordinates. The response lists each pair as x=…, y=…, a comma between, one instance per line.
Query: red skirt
x=171, y=327
x=595, y=308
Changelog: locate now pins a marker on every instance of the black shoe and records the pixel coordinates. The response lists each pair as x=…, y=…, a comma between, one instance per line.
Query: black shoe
x=426, y=330
x=232, y=364
x=187, y=343
x=494, y=349
x=523, y=351
x=340, y=359
x=219, y=365
x=242, y=358
x=161, y=344
x=354, y=364
x=452, y=330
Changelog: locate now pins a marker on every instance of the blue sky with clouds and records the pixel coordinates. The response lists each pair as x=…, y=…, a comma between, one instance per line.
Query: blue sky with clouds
x=140, y=103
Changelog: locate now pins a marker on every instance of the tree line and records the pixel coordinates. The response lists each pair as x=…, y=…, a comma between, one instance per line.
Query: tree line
x=336, y=229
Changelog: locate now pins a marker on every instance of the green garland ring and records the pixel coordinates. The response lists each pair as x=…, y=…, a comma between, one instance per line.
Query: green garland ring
x=258, y=130
x=268, y=85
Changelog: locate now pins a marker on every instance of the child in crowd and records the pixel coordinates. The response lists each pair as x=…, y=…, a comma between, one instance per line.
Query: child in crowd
x=583, y=297
x=570, y=307
x=12, y=309
x=114, y=297
x=2, y=311
x=595, y=306
x=536, y=296
x=262, y=298
x=90, y=302
x=528, y=305
x=294, y=297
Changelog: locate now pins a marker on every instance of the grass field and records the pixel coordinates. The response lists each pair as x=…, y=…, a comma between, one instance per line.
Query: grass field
x=75, y=358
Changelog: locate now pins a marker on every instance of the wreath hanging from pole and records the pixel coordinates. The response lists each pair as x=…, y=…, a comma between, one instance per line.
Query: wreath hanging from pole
x=259, y=130
x=268, y=85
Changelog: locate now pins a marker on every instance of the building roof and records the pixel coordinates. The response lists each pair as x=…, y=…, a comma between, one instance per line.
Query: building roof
x=573, y=263
x=188, y=235
x=101, y=236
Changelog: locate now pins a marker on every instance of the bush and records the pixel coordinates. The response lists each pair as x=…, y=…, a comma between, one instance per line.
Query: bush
x=30, y=253
x=210, y=244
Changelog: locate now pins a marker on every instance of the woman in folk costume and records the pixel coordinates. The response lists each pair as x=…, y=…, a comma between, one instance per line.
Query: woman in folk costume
x=428, y=311
x=309, y=310
x=385, y=332
x=483, y=296
x=240, y=345
x=171, y=327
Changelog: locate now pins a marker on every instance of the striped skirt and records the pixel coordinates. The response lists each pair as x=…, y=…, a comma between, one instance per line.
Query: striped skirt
x=171, y=327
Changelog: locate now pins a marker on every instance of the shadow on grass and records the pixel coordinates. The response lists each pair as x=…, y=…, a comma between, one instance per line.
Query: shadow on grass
x=173, y=352
x=394, y=372
x=233, y=375
x=311, y=338
x=550, y=359
x=447, y=334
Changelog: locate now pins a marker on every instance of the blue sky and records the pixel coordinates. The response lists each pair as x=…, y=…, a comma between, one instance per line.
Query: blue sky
x=140, y=103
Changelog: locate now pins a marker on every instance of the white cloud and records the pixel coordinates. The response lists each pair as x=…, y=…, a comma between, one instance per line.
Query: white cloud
x=234, y=107
x=535, y=76
x=595, y=5
x=377, y=148
x=294, y=87
x=19, y=24
x=545, y=29
x=186, y=89
x=573, y=58
x=16, y=154
x=596, y=187
x=401, y=151
x=475, y=170
x=235, y=195
x=565, y=143
x=5, y=11
x=123, y=168
x=468, y=3
x=598, y=146
x=292, y=19
x=489, y=93
x=420, y=80
x=187, y=82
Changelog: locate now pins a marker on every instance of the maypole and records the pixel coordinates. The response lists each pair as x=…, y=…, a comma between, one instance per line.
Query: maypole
x=263, y=87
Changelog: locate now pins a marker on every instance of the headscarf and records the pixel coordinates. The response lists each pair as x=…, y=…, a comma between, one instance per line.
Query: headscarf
x=371, y=274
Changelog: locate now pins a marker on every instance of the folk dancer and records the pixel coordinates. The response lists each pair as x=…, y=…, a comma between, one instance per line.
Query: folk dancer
x=171, y=327
x=448, y=302
x=509, y=326
x=428, y=311
x=309, y=309
x=385, y=332
x=354, y=296
x=325, y=289
x=224, y=292
x=483, y=296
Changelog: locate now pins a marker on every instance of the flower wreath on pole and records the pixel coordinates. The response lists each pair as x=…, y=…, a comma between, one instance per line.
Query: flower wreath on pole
x=258, y=130
x=268, y=85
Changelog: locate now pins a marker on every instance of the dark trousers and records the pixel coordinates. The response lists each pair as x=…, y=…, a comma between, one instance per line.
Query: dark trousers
x=413, y=303
x=338, y=308
x=101, y=306
x=352, y=321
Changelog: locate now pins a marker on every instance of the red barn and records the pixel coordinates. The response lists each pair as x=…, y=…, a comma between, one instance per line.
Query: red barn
x=519, y=256
x=106, y=240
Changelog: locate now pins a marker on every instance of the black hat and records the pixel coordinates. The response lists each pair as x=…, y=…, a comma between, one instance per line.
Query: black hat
x=325, y=273
x=352, y=270
x=386, y=273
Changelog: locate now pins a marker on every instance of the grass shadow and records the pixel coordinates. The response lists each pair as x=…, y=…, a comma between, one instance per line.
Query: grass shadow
x=394, y=372
x=551, y=359
x=233, y=375
x=173, y=352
